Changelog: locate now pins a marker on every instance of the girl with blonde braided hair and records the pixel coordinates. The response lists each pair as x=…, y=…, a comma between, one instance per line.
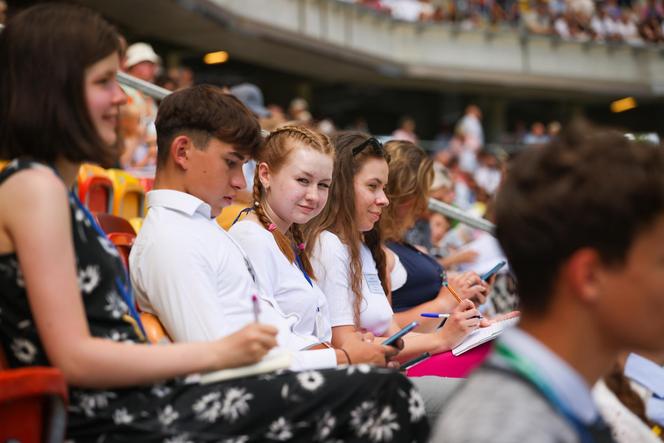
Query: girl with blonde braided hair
x=293, y=177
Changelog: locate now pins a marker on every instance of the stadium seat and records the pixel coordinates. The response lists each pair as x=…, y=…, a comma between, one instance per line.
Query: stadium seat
x=119, y=232
x=228, y=215
x=32, y=405
x=154, y=330
x=95, y=188
x=3, y=163
x=136, y=223
x=147, y=183
x=129, y=197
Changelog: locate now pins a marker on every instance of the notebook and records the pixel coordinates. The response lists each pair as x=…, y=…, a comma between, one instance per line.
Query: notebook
x=270, y=363
x=483, y=335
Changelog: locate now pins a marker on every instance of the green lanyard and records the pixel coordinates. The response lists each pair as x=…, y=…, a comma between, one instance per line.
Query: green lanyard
x=528, y=372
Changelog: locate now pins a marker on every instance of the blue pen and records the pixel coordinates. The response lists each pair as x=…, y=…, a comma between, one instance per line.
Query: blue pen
x=434, y=315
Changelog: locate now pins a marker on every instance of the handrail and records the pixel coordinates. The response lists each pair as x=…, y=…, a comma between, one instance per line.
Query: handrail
x=154, y=91
x=463, y=217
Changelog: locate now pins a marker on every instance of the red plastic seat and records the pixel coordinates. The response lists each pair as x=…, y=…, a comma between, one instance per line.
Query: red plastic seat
x=119, y=232
x=32, y=405
x=95, y=188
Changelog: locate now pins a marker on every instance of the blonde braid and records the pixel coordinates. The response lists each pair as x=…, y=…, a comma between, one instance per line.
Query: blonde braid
x=298, y=238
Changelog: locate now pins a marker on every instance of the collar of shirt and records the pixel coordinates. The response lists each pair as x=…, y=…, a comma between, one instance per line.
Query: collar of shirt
x=568, y=385
x=645, y=372
x=178, y=201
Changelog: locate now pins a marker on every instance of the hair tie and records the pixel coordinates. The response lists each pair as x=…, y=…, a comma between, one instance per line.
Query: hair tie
x=256, y=204
x=271, y=227
x=300, y=246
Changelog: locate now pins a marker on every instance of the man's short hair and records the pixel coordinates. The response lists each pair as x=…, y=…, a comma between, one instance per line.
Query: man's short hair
x=203, y=112
x=590, y=188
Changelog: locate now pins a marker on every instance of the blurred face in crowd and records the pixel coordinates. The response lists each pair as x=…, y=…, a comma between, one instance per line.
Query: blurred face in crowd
x=104, y=96
x=298, y=190
x=145, y=70
x=439, y=226
x=369, y=186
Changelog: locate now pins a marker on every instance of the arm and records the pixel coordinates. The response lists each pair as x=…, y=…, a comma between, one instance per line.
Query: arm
x=50, y=277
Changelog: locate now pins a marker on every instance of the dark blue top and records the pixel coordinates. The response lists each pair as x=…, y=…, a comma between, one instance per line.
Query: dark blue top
x=425, y=277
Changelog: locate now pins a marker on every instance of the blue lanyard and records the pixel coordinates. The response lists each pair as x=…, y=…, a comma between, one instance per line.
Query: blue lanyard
x=123, y=288
x=528, y=372
x=298, y=260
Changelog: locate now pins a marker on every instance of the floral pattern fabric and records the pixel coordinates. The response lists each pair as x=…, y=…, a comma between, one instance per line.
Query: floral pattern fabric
x=353, y=404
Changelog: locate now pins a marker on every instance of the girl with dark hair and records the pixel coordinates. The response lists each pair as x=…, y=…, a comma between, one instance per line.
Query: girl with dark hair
x=65, y=297
x=293, y=176
x=349, y=260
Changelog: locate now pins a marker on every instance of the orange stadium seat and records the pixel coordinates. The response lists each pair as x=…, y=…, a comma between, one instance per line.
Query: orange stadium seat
x=95, y=188
x=228, y=215
x=154, y=330
x=129, y=199
x=32, y=405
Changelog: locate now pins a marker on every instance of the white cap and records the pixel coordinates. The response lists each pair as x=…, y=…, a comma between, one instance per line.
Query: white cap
x=141, y=52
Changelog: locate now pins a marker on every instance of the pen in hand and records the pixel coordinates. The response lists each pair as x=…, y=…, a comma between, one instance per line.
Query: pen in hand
x=434, y=315
x=257, y=309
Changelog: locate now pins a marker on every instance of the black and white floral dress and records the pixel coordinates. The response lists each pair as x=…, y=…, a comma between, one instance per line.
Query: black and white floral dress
x=353, y=404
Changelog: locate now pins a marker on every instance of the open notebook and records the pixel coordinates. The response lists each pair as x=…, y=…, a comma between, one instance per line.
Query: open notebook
x=483, y=335
x=270, y=363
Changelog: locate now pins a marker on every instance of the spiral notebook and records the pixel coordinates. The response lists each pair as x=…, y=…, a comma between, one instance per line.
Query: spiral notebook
x=483, y=335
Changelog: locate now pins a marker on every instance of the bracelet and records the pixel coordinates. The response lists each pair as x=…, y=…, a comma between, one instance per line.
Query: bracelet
x=346, y=354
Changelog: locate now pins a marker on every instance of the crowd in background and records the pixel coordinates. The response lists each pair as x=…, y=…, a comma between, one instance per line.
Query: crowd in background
x=634, y=22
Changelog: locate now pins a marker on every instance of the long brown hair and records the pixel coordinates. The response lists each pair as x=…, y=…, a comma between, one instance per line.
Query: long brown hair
x=411, y=175
x=275, y=152
x=338, y=216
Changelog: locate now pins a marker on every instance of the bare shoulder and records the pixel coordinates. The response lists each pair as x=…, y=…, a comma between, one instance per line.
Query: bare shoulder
x=38, y=182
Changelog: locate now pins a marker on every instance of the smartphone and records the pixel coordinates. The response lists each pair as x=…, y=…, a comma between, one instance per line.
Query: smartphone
x=409, y=327
x=414, y=361
x=487, y=275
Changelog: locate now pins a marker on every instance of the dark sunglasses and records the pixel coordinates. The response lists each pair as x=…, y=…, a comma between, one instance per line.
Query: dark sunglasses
x=376, y=147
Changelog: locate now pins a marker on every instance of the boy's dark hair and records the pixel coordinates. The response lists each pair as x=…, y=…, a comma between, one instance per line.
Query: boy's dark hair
x=202, y=112
x=44, y=52
x=590, y=188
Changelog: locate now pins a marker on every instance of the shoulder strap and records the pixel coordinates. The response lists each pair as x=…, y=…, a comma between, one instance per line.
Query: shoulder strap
x=15, y=166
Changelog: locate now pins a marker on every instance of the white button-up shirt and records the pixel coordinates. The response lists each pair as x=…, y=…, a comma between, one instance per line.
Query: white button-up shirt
x=191, y=274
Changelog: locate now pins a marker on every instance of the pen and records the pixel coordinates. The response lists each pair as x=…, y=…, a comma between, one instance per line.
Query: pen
x=257, y=309
x=454, y=293
x=434, y=315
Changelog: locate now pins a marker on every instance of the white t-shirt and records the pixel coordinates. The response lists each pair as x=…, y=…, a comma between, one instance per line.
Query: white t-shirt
x=192, y=274
x=331, y=262
x=284, y=281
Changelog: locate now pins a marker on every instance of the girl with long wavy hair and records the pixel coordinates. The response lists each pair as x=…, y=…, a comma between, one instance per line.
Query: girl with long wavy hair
x=418, y=281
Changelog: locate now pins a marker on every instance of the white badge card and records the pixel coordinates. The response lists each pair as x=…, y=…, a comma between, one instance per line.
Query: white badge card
x=374, y=283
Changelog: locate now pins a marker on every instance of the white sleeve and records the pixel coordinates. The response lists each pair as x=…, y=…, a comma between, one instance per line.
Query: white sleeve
x=178, y=282
x=331, y=261
x=315, y=359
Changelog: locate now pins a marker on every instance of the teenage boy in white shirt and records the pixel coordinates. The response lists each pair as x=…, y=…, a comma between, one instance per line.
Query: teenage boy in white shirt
x=581, y=221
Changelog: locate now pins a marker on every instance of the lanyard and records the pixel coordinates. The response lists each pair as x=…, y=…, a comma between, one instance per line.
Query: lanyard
x=525, y=369
x=124, y=288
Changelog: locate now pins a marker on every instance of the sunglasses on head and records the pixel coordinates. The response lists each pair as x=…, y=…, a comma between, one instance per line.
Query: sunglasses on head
x=374, y=144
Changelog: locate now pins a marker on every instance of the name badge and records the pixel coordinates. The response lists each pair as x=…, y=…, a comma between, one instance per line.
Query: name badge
x=374, y=284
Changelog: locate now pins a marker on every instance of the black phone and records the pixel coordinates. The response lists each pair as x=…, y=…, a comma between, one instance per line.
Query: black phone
x=409, y=327
x=487, y=275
